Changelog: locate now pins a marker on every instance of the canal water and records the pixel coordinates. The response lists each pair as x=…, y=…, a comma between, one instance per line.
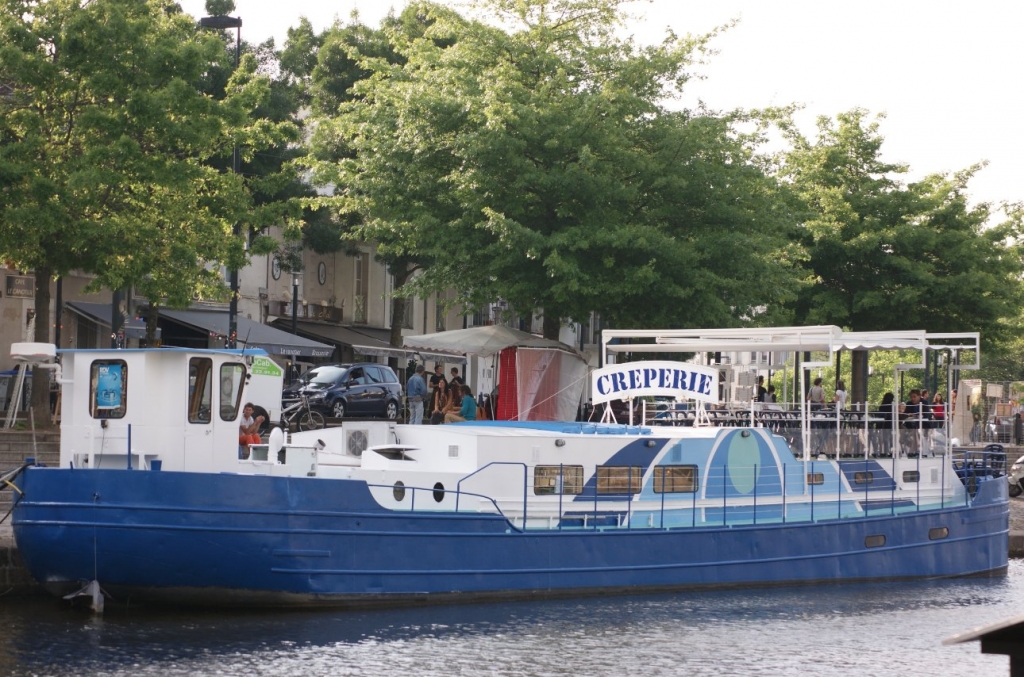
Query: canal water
x=878, y=629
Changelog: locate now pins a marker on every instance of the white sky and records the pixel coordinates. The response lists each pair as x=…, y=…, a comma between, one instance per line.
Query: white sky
x=946, y=73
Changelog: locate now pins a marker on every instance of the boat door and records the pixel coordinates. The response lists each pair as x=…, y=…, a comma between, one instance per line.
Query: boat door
x=199, y=424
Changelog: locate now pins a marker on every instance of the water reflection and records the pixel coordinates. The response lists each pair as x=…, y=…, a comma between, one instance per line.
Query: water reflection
x=852, y=629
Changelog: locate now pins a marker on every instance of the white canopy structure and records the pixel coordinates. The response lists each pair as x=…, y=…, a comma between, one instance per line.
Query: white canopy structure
x=481, y=341
x=827, y=338
x=743, y=344
x=538, y=379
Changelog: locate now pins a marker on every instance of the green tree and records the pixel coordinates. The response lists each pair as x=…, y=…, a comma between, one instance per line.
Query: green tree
x=540, y=165
x=885, y=255
x=105, y=149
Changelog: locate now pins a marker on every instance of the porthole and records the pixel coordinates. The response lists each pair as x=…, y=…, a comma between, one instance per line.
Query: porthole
x=875, y=541
x=438, y=492
x=937, y=533
x=399, y=491
x=911, y=476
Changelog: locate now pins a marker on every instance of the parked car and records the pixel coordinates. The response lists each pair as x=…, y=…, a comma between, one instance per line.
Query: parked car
x=365, y=389
x=290, y=394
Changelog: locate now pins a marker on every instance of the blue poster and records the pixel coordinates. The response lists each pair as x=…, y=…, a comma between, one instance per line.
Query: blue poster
x=108, y=387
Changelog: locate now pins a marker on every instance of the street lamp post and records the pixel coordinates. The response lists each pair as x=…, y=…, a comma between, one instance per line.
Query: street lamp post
x=224, y=22
x=295, y=302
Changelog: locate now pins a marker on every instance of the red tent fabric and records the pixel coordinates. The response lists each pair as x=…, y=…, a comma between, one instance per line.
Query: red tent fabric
x=508, y=388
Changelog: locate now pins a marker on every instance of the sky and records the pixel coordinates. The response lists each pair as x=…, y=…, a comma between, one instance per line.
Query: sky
x=946, y=74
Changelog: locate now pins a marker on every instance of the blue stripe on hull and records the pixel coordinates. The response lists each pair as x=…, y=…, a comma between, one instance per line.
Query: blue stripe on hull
x=209, y=538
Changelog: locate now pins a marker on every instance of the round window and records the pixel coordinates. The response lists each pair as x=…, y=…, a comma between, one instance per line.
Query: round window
x=399, y=491
x=438, y=492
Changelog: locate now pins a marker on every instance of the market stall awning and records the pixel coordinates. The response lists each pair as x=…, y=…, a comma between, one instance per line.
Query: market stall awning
x=482, y=341
x=100, y=314
x=250, y=334
x=362, y=343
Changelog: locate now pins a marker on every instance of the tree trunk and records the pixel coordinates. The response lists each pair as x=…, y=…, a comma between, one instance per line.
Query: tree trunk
x=552, y=325
x=859, y=377
x=41, y=377
x=401, y=274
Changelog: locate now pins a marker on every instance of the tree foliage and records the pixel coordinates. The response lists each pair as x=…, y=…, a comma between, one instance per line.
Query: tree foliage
x=104, y=142
x=538, y=164
x=886, y=255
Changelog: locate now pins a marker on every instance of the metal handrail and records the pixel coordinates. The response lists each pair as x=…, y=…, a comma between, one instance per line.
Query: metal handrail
x=457, y=493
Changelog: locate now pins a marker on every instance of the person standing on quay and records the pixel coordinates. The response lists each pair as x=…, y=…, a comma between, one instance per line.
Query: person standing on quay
x=416, y=393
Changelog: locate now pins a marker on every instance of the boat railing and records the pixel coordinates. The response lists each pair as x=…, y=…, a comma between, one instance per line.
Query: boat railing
x=730, y=495
x=844, y=433
x=734, y=496
x=686, y=496
x=438, y=495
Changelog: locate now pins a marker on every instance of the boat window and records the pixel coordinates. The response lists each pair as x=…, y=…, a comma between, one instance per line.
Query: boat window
x=200, y=389
x=232, y=377
x=548, y=479
x=815, y=478
x=399, y=490
x=875, y=541
x=619, y=479
x=937, y=533
x=108, y=389
x=911, y=476
x=675, y=479
x=863, y=477
x=438, y=492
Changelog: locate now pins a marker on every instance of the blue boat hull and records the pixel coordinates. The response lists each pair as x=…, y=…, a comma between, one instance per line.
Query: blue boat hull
x=228, y=539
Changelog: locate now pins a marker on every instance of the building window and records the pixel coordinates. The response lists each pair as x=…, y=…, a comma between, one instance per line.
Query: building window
x=619, y=479
x=675, y=479
x=85, y=336
x=548, y=479
x=108, y=389
x=362, y=287
x=439, y=314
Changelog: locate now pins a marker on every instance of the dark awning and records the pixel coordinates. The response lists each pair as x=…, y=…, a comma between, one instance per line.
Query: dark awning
x=362, y=343
x=100, y=314
x=250, y=334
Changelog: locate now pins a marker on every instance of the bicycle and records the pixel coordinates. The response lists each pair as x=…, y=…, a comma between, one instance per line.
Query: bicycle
x=304, y=417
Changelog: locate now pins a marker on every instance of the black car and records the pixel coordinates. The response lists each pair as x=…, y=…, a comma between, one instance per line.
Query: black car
x=290, y=394
x=365, y=389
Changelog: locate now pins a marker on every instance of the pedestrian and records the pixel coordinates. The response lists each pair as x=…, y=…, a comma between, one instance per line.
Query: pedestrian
x=840, y=396
x=416, y=393
x=438, y=375
x=456, y=380
x=816, y=395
